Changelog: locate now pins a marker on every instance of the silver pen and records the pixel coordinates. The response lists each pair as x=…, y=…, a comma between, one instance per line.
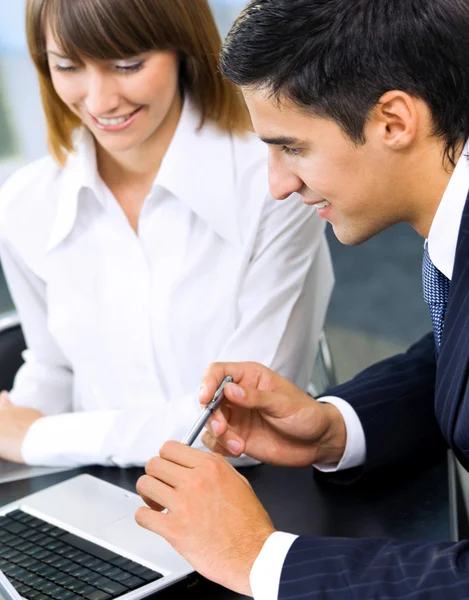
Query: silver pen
x=207, y=412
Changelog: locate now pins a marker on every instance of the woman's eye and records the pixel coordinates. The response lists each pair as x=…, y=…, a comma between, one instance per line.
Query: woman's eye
x=290, y=151
x=65, y=68
x=129, y=68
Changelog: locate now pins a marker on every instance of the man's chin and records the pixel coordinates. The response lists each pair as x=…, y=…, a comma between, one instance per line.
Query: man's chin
x=349, y=235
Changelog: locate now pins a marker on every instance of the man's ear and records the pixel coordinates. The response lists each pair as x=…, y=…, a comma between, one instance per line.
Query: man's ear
x=397, y=117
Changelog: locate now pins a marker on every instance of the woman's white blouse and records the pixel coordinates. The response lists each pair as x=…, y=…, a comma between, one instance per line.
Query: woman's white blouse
x=121, y=327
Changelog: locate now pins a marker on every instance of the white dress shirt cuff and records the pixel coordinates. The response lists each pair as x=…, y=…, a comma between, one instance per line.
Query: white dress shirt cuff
x=266, y=571
x=69, y=439
x=355, y=447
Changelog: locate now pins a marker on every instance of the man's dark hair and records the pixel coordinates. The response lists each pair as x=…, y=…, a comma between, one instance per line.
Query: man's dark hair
x=336, y=58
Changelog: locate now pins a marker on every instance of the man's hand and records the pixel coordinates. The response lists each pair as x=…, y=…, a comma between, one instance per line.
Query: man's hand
x=14, y=424
x=271, y=419
x=214, y=519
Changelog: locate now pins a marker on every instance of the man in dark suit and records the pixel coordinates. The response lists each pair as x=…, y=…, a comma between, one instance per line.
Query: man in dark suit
x=365, y=107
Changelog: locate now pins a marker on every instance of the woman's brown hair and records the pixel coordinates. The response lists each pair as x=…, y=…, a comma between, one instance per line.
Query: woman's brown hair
x=110, y=29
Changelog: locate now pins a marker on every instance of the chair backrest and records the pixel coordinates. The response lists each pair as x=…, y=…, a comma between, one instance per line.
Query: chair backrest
x=12, y=344
x=324, y=375
x=458, y=499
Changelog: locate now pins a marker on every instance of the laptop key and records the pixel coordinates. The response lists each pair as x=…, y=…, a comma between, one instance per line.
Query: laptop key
x=104, y=569
x=119, y=561
x=89, y=589
x=86, y=546
x=67, y=595
x=146, y=574
x=16, y=515
x=111, y=587
x=6, y=537
x=12, y=526
x=98, y=595
x=8, y=553
x=121, y=577
x=133, y=582
x=59, y=593
x=73, y=584
x=71, y=553
x=46, y=557
x=28, y=593
x=51, y=544
x=91, y=562
x=89, y=577
x=137, y=569
x=115, y=572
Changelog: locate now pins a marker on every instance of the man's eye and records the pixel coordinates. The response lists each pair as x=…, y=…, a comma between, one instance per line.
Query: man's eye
x=290, y=151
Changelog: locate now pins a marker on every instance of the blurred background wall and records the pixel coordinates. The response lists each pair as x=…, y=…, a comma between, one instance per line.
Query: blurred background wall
x=377, y=307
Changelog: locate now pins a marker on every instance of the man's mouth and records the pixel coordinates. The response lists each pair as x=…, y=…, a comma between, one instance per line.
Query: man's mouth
x=323, y=204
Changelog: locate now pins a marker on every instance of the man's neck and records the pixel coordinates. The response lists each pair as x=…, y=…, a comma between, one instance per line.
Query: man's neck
x=429, y=182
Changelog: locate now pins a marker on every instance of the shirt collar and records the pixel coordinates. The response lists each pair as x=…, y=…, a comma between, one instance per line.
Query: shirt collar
x=79, y=173
x=198, y=170
x=444, y=232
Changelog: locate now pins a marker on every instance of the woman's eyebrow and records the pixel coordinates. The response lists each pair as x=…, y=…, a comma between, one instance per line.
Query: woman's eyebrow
x=56, y=54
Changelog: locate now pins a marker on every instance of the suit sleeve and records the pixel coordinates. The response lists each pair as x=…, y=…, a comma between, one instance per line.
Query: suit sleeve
x=348, y=569
x=394, y=400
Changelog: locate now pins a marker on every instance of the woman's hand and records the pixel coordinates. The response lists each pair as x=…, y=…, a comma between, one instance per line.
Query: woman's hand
x=14, y=424
x=271, y=419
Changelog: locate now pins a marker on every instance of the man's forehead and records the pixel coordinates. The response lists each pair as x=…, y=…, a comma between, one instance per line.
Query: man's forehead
x=276, y=122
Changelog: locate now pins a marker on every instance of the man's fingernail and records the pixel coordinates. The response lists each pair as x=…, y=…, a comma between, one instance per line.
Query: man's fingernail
x=201, y=391
x=234, y=447
x=237, y=391
x=214, y=426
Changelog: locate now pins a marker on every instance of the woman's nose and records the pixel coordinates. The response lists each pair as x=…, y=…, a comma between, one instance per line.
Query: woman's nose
x=102, y=98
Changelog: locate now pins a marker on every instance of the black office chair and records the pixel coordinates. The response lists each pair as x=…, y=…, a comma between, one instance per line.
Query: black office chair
x=458, y=499
x=12, y=344
x=324, y=373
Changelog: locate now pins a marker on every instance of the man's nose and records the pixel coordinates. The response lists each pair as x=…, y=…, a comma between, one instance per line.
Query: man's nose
x=102, y=97
x=282, y=181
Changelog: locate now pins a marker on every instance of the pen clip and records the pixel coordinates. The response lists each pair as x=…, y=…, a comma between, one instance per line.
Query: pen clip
x=216, y=396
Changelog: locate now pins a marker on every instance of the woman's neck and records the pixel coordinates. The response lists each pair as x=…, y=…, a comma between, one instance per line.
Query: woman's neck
x=130, y=175
x=140, y=164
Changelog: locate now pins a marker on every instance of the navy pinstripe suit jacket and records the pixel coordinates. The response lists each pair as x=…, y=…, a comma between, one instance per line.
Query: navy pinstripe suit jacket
x=408, y=405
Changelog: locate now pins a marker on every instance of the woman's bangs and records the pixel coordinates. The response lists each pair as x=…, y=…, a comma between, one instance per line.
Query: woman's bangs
x=89, y=28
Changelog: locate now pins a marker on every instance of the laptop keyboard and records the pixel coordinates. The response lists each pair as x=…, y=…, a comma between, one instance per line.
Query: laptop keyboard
x=43, y=562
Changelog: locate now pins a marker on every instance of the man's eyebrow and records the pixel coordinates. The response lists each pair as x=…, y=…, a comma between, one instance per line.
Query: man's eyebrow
x=281, y=141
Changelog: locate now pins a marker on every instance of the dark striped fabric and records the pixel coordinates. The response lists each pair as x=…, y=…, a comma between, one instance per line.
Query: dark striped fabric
x=343, y=569
x=410, y=406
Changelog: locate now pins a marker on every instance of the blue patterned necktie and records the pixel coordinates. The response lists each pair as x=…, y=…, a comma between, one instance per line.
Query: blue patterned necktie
x=436, y=294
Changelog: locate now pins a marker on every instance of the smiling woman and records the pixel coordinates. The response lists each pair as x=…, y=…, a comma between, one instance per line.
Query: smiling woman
x=147, y=245
x=132, y=28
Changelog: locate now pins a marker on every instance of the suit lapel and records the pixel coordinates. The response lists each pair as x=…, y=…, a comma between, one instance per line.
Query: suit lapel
x=453, y=361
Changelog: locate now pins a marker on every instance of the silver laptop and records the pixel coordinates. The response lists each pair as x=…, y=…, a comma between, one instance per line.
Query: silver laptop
x=79, y=540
